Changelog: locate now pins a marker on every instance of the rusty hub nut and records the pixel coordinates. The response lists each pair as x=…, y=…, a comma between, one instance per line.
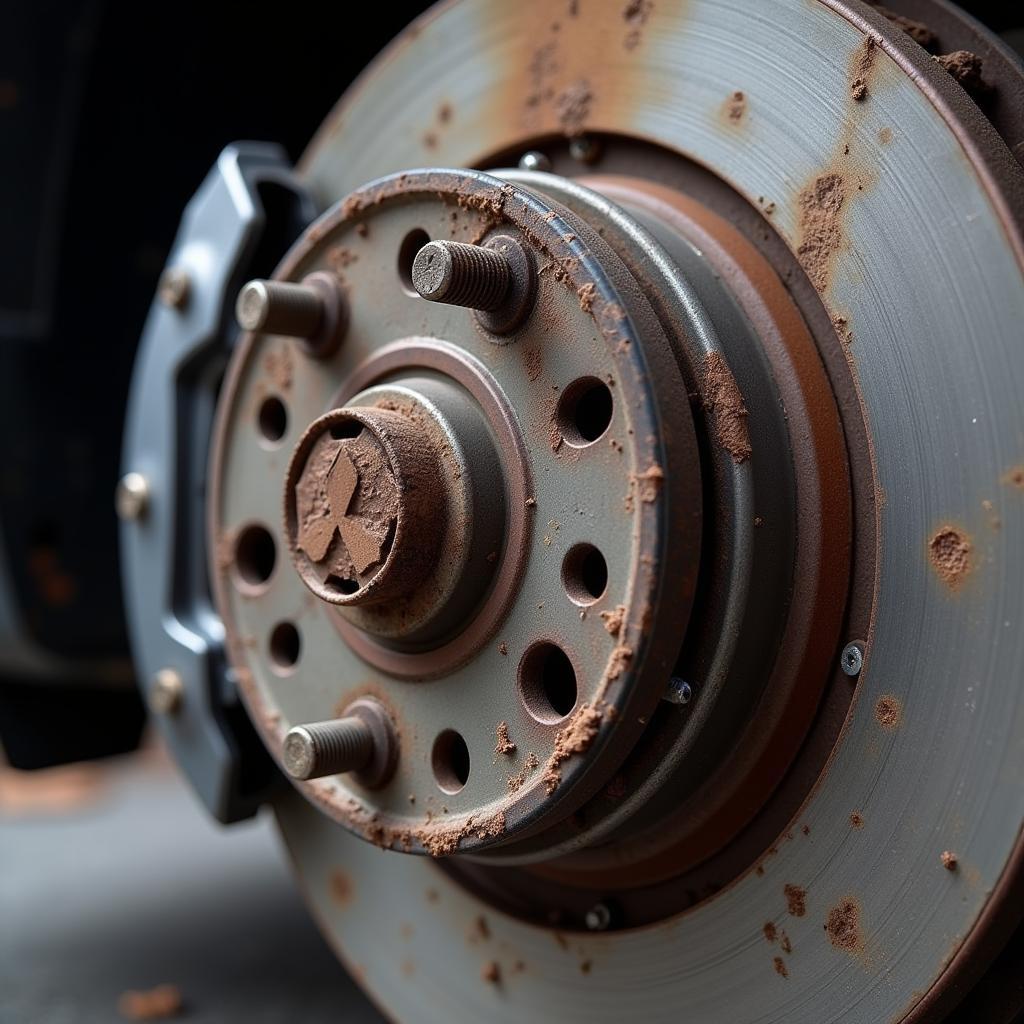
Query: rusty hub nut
x=362, y=515
x=314, y=312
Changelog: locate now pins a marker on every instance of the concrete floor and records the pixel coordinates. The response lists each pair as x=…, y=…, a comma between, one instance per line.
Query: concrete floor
x=113, y=878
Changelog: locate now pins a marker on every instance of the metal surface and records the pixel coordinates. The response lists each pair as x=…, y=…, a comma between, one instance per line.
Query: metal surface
x=164, y=557
x=920, y=265
x=619, y=488
x=279, y=308
x=327, y=748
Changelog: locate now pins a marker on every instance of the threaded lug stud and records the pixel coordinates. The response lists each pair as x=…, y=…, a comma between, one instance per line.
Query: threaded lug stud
x=279, y=307
x=328, y=748
x=462, y=275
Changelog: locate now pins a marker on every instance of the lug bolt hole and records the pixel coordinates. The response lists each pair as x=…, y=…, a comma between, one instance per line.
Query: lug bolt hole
x=272, y=419
x=547, y=682
x=345, y=430
x=345, y=586
x=285, y=647
x=255, y=555
x=450, y=761
x=584, y=574
x=585, y=411
x=411, y=244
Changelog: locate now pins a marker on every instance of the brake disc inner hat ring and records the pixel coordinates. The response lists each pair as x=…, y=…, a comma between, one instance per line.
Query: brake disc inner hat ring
x=911, y=199
x=554, y=434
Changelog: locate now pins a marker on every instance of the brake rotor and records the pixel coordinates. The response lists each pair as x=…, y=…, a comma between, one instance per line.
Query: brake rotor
x=858, y=481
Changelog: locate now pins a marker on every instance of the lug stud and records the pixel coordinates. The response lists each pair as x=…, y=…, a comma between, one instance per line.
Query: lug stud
x=327, y=748
x=461, y=275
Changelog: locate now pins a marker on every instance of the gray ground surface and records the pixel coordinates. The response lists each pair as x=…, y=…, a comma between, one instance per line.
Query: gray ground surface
x=128, y=884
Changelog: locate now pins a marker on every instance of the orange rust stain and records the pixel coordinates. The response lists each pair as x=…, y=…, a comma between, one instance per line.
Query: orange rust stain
x=861, y=65
x=433, y=896
x=949, y=860
x=780, y=967
x=843, y=925
x=491, y=972
x=1014, y=477
x=949, y=551
x=821, y=227
x=585, y=966
x=734, y=108
x=340, y=887
x=408, y=967
x=888, y=711
x=856, y=821
x=796, y=900
x=770, y=931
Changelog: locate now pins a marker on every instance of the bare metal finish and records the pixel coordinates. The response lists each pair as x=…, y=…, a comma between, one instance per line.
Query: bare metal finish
x=461, y=275
x=327, y=748
x=279, y=307
x=534, y=160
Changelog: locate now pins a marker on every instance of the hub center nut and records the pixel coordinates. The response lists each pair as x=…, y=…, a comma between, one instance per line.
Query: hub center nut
x=361, y=506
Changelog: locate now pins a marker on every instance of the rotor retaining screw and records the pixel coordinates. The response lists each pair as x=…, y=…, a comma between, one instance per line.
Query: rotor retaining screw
x=852, y=658
x=598, y=918
x=460, y=274
x=166, y=692
x=534, y=160
x=280, y=307
x=584, y=150
x=131, y=498
x=327, y=748
x=678, y=691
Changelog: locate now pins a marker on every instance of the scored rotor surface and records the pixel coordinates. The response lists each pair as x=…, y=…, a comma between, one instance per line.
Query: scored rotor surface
x=926, y=274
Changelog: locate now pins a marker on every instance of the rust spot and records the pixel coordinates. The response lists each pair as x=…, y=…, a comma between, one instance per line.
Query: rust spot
x=843, y=925
x=278, y=364
x=151, y=1004
x=444, y=113
x=1014, y=477
x=339, y=885
x=407, y=930
x=433, y=896
x=585, y=294
x=635, y=16
x=796, y=900
x=408, y=968
x=856, y=821
x=481, y=929
x=950, y=554
x=504, y=745
x=735, y=107
x=860, y=68
x=949, y=860
x=725, y=404
x=770, y=931
x=784, y=943
x=572, y=106
x=821, y=229
x=885, y=136
x=888, y=711
x=534, y=364
x=965, y=67
x=780, y=967
x=515, y=782
x=573, y=738
x=614, y=620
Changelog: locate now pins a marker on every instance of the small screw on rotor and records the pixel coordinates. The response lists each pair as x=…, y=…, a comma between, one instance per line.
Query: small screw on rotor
x=678, y=691
x=598, y=918
x=174, y=288
x=534, y=160
x=852, y=658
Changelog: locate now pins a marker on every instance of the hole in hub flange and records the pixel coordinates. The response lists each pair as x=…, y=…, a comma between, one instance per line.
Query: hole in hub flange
x=411, y=244
x=272, y=418
x=345, y=429
x=585, y=411
x=584, y=574
x=547, y=682
x=255, y=555
x=342, y=585
x=285, y=646
x=450, y=761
